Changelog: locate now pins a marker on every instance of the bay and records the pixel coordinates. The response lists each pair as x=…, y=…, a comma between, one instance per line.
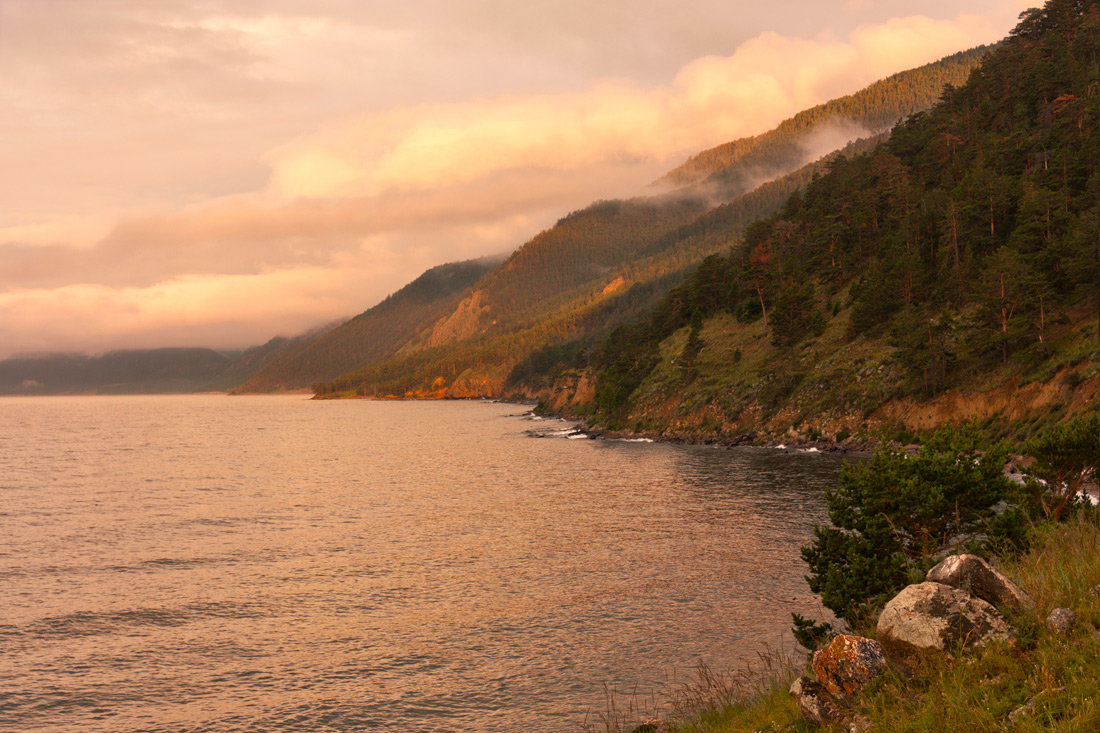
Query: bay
x=209, y=563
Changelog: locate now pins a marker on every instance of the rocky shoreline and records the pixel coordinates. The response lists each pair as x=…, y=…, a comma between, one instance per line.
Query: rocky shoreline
x=752, y=439
x=748, y=439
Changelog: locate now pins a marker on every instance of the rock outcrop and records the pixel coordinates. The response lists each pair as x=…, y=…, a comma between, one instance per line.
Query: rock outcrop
x=953, y=610
x=843, y=669
x=977, y=577
x=847, y=664
x=933, y=617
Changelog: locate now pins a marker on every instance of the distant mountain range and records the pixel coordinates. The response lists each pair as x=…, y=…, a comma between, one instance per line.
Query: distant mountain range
x=120, y=372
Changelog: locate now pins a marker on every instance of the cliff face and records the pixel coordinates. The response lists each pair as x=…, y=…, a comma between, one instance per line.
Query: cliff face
x=468, y=318
x=1012, y=401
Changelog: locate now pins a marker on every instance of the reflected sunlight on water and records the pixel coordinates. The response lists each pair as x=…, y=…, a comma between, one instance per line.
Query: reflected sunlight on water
x=213, y=563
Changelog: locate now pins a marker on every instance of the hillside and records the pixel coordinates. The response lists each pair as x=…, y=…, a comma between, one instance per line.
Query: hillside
x=372, y=334
x=951, y=271
x=736, y=167
x=469, y=353
x=593, y=269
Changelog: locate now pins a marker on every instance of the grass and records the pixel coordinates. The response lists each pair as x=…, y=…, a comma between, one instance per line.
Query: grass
x=704, y=699
x=835, y=382
x=740, y=370
x=1043, y=682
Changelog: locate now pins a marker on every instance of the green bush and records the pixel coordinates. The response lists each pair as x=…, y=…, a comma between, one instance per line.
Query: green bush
x=894, y=514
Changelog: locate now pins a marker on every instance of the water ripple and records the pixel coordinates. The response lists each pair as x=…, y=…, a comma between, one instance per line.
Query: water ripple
x=212, y=564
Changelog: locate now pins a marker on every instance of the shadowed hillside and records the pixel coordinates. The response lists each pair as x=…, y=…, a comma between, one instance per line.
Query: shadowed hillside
x=371, y=335
x=118, y=372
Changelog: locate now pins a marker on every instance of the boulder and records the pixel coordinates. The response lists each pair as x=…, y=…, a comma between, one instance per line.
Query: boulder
x=847, y=664
x=977, y=577
x=1061, y=621
x=814, y=702
x=936, y=617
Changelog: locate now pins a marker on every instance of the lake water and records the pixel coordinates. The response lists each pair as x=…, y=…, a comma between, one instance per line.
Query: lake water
x=207, y=563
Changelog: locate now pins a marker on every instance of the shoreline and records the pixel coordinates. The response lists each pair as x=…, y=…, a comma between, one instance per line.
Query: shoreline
x=750, y=439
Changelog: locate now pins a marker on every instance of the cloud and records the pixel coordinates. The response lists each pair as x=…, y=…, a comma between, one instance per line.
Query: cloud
x=711, y=100
x=221, y=311
x=255, y=234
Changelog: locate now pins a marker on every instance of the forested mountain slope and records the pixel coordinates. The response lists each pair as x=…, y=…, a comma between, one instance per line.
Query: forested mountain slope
x=602, y=264
x=371, y=335
x=736, y=167
x=471, y=353
x=960, y=256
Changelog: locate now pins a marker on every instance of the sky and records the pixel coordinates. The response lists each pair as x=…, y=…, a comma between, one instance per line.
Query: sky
x=201, y=173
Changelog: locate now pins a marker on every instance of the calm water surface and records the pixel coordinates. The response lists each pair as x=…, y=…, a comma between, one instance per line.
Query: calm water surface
x=206, y=563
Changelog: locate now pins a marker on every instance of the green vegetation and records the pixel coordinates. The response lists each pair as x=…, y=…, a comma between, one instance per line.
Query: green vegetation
x=960, y=253
x=894, y=515
x=1066, y=456
x=1045, y=681
x=573, y=283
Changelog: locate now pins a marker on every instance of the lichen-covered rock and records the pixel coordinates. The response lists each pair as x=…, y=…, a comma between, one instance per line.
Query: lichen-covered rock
x=977, y=577
x=1061, y=621
x=847, y=664
x=936, y=617
x=813, y=701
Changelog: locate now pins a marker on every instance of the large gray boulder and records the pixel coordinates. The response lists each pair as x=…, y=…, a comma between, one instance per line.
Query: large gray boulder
x=977, y=577
x=931, y=617
x=847, y=664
